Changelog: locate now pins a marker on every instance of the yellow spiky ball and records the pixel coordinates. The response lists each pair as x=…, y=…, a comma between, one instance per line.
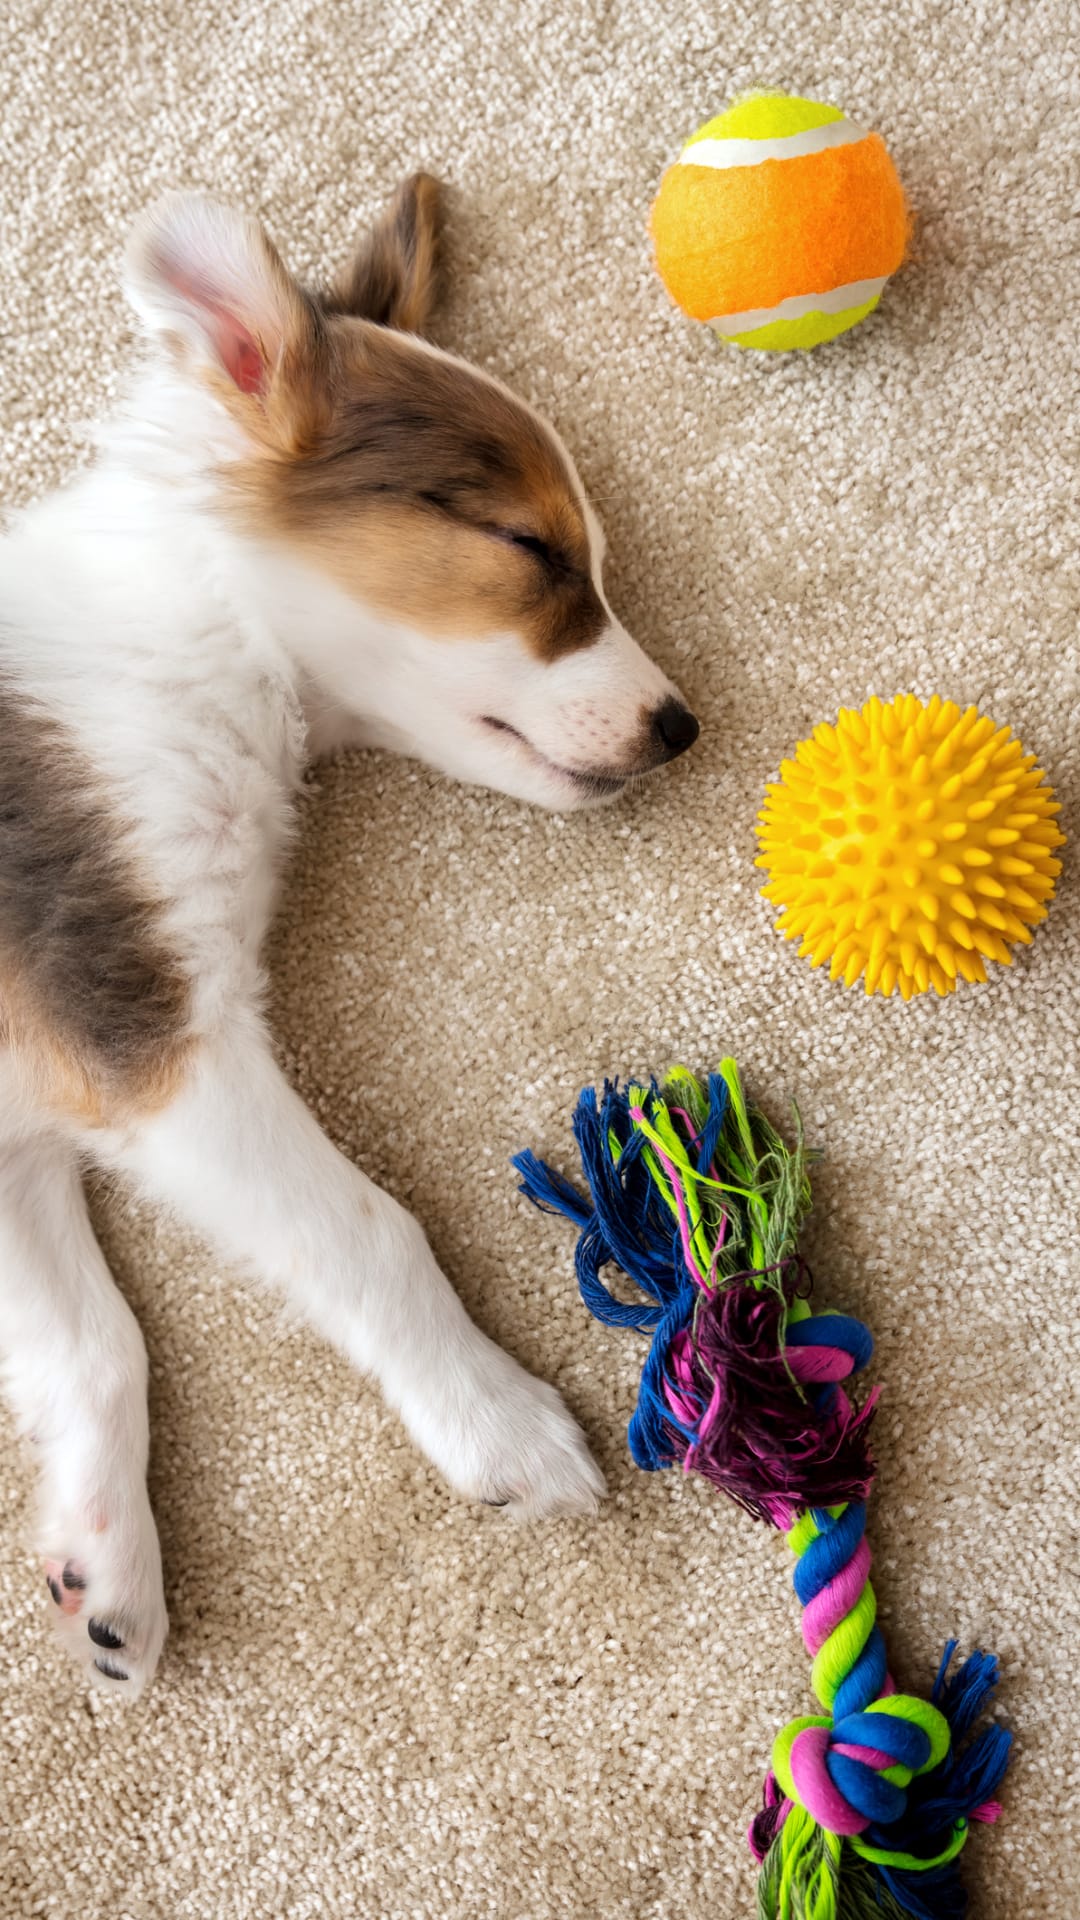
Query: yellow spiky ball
x=908, y=845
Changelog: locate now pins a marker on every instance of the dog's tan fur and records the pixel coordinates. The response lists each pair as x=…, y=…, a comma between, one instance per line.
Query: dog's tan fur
x=405, y=477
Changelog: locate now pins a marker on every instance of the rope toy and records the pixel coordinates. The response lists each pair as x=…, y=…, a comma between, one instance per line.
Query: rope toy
x=696, y=1197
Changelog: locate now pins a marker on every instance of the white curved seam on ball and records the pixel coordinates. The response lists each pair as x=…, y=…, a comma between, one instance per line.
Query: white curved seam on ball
x=854, y=294
x=789, y=146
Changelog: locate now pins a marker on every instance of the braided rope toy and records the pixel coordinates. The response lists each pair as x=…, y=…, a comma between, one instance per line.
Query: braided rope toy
x=696, y=1197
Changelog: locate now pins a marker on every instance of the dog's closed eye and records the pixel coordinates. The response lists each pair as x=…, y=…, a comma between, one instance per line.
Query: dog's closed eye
x=550, y=557
x=542, y=550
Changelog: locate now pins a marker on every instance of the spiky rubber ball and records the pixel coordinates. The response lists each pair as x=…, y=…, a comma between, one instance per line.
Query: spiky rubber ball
x=908, y=845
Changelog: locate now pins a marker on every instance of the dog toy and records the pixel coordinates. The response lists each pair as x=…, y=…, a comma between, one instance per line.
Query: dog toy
x=779, y=223
x=695, y=1196
x=909, y=845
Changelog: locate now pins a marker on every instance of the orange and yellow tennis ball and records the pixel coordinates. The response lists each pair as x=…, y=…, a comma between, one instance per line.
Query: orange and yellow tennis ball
x=908, y=845
x=780, y=223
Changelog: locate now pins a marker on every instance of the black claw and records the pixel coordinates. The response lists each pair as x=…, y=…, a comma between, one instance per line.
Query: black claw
x=74, y=1582
x=53, y=1588
x=110, y=1670
x=498, y=1503
x=103, y=1636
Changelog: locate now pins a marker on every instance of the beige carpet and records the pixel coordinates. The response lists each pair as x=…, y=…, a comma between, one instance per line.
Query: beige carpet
x=376, y=1702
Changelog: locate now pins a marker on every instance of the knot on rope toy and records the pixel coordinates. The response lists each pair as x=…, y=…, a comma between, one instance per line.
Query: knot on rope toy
x=848, y=1776
x=698, y=1199
x=879, y=1798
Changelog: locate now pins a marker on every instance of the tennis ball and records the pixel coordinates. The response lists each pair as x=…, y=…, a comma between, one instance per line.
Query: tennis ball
x=780, y=223
x=910, y=844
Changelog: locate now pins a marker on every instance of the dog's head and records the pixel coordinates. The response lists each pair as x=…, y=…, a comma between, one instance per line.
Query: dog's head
x=437, y=528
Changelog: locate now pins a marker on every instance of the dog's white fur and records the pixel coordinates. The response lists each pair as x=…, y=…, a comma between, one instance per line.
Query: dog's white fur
x=197, y=670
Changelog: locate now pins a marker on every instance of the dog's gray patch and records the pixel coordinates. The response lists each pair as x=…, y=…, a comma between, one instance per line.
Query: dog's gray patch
x=82, y=957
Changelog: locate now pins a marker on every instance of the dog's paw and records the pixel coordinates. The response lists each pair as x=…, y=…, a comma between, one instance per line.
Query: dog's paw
x=503, y=1437
x=539, y=1462
x=103, y=1574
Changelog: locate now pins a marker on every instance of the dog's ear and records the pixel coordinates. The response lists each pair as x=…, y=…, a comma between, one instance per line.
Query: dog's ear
x=207, y=279
x=393, y=278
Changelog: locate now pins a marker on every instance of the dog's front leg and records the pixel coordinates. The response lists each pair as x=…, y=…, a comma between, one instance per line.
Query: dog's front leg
x=239, y=1156
x=73, y=1365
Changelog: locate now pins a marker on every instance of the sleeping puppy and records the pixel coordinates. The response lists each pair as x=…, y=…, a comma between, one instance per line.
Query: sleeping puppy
x=306, y=527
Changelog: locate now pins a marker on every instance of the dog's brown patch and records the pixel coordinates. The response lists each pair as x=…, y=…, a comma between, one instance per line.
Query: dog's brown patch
x=424, y=489
x=433, y=496
x=91, y=1000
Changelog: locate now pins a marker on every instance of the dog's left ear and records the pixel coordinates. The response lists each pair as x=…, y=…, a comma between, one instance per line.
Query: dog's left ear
x=207, y=276
x=393, y=278
x=205, y=279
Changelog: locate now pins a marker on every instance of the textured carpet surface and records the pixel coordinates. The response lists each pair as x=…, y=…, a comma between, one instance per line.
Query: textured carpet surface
x=376, y=1702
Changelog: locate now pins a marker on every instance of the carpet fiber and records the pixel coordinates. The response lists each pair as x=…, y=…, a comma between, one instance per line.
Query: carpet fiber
x=375, y=1701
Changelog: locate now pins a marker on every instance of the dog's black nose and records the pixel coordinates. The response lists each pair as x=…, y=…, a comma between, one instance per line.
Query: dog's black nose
x=675, y=727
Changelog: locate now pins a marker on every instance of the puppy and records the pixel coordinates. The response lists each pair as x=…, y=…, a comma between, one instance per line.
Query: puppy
x=306, y=527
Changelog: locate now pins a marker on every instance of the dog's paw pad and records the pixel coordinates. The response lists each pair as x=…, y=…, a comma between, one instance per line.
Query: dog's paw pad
x=108, y=1607
x=103, y=1636
x=66, y=1582
x=110, y=1669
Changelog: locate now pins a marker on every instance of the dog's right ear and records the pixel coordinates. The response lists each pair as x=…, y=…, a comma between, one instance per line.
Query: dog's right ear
x=393, y=278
